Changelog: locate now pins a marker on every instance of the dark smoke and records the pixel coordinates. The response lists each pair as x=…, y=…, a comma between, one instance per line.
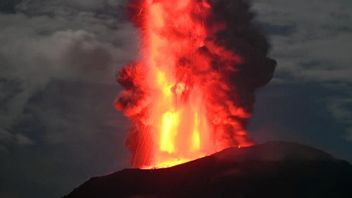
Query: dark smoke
x=245, y=38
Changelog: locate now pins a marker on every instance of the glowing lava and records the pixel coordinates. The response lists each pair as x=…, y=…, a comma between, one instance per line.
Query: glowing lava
x=178, y=95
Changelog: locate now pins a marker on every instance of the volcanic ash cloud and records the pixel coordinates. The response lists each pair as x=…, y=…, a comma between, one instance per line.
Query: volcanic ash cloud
x=192, y=91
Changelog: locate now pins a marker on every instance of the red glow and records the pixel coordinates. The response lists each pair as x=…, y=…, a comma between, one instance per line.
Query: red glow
x=180, y=109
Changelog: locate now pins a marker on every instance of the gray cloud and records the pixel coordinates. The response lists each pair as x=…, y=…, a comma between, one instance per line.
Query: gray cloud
x=17, y=139
x=57, y=86
x=7, y=138
x=311, y=41
x=75, y=134
x=341, y=109
x=320, y=32
x=59, y=40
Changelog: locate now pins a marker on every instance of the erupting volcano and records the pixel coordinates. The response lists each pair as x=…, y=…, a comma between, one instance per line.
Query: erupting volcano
x=192, y=90
x=189, y=97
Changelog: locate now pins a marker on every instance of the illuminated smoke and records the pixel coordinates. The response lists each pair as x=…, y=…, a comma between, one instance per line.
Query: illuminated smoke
x=192, y=91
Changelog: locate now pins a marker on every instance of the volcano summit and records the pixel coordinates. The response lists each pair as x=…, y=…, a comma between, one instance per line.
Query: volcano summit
x=274, y=169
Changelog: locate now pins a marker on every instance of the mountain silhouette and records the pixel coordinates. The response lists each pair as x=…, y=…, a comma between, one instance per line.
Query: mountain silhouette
x=270, y=170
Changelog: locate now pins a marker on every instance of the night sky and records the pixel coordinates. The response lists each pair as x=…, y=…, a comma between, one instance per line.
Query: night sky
x=58, y=60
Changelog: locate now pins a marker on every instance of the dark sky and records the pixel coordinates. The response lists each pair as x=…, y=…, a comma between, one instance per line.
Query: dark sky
x=57, y=65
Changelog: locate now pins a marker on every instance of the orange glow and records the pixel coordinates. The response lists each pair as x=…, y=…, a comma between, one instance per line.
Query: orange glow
x=196, y=133
x=168, y=131
x=186, y=112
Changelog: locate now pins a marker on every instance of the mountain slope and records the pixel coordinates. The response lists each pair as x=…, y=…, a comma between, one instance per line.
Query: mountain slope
x=274, y=169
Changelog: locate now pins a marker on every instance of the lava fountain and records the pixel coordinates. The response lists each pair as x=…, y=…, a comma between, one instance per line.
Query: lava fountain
x=188, y=96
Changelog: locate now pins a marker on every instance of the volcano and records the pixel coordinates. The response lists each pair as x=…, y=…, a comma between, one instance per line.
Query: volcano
x=273, y=169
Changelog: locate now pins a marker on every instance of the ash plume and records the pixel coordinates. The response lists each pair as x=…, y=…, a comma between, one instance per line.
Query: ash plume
x=245, y=38
x=230, y=64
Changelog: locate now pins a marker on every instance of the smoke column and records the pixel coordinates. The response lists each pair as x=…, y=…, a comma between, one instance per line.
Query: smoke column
x=192, y=91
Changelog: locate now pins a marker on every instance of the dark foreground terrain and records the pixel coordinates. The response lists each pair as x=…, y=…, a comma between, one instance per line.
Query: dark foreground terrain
x=271, y=170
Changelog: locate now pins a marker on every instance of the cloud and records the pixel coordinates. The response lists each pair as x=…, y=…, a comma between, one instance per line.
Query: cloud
x=59, y=40
x=341, y=110
x=349, y=133
x=300, y=37
x=8, y=6
x=57, y=86
x=10, y=139
x=311, y=41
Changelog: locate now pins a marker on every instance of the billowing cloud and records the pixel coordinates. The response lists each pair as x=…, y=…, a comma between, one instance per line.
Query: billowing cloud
x=310, y=40
x=59, y=40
